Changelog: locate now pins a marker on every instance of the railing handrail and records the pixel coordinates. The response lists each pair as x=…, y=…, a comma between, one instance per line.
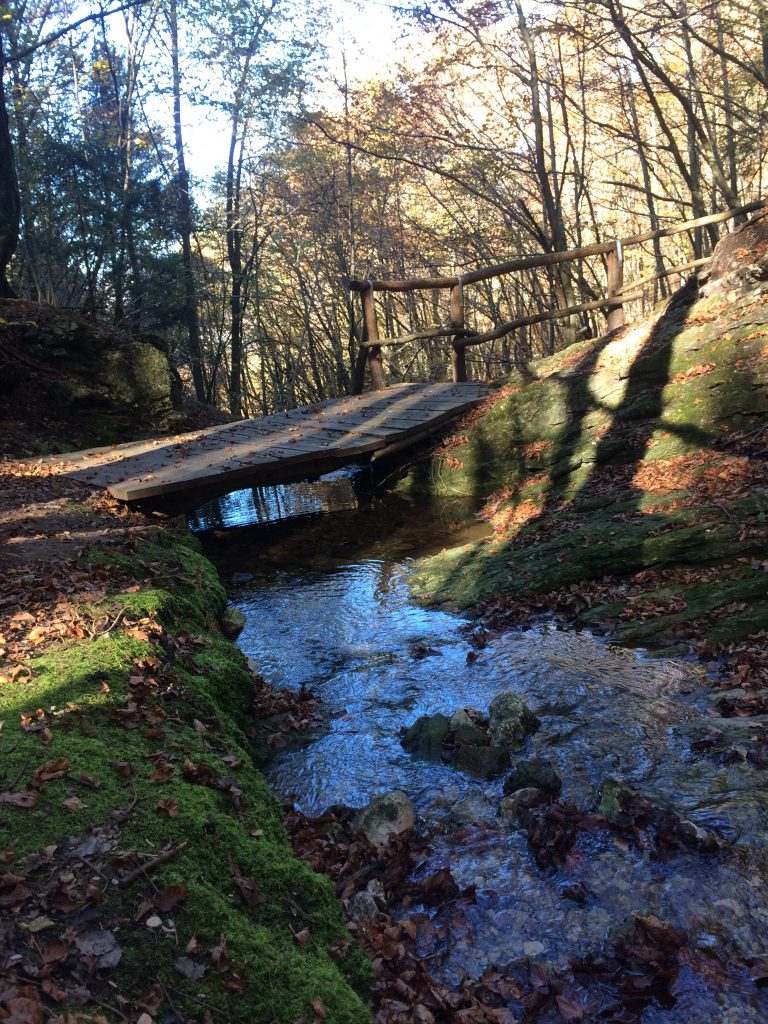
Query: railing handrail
x=549, y=259
x=617, y=295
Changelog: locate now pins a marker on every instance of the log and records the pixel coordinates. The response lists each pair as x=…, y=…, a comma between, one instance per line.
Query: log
x=539, y=318
x=551, y=258
x=665, y=273
x=429, y=332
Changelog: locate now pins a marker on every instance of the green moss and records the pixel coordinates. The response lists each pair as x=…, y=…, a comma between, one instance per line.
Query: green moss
x=594, y=406
x=84, y=694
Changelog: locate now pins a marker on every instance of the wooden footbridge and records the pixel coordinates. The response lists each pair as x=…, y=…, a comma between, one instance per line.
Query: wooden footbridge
x=305, y=443
x=297, y=445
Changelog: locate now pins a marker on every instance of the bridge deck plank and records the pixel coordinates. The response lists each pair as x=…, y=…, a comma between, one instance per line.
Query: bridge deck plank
x=314, y=439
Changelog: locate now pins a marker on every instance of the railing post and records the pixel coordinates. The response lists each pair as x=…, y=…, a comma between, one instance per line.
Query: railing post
x=372, y=334
x=615, y=267
x=357, y=378
x=459, y=354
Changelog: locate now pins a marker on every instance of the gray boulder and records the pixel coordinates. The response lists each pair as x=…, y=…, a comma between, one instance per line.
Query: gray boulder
x=466, y=731
x=362, y=907
x=232, y=622
x=386, y=814
x=511, y=721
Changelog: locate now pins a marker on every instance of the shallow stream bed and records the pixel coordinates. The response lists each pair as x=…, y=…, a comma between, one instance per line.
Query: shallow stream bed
x=328, y=608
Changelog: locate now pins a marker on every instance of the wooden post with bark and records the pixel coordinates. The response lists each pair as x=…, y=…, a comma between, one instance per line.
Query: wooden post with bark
x=375, y=363
x=615, y=268
x=459, y=354
x=361, y=355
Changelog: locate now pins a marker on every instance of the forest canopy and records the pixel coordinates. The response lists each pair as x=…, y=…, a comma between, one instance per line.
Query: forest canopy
x=501, y=129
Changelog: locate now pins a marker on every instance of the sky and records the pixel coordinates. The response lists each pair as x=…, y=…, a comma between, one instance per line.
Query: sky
x=368, y=31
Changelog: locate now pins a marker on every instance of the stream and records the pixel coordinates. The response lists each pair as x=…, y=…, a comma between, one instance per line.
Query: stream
x=327, y=607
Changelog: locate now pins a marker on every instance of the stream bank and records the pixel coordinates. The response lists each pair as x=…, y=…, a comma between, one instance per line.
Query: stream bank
x=626, y=482
x=146, y=872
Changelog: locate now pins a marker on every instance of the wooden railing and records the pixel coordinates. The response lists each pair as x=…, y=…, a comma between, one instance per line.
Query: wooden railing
x=618, y=293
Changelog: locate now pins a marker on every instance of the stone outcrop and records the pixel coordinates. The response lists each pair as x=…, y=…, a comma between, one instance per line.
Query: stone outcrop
x=95, y=384
x=471, y=742
x=385, y=816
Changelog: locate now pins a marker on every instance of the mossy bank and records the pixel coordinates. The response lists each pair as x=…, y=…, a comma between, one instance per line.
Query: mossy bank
x=147, y=867
x=637, y=457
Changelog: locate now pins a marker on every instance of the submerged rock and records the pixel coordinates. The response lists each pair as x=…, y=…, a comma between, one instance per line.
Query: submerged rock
x=242, y=577
x=473, y=807
x=426, y=736
x=232, y=622
x=615, y=796
x=537, y=772
x=386, y=814
x=626, y=808
x=511, y=721
x=523, y=799
x=481, y=762
x=466, y=731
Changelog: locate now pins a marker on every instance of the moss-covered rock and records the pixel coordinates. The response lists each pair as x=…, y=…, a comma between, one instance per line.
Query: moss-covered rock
x=536, y=772
x=633, y=453
x=481, y=762
x=425, y=738
x=385, y=816
x=94, y=385
x=511, y=721
x=150, y=726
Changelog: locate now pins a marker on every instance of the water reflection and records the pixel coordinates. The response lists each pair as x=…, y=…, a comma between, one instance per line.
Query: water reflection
x=335, y=492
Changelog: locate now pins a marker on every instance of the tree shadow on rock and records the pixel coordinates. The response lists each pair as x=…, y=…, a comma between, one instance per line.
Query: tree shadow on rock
x=624, y=445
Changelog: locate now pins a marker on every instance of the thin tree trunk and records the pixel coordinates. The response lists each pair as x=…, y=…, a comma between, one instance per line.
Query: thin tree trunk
x=10, y=201
x=184, y=218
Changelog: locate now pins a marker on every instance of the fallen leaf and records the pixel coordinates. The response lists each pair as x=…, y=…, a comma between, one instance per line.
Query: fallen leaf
x=168, y=898
x=38, y=924
x=22, y=799
x=55, y=951
x=87, y=780
x=50, y=770
x=124, y=769
x=170, y=806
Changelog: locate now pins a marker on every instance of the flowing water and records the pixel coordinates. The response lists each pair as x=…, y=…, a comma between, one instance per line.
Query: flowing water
x=328, y=608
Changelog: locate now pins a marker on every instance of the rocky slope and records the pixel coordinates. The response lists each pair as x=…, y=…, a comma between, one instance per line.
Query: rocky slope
x=626, y=478
x=66, y=382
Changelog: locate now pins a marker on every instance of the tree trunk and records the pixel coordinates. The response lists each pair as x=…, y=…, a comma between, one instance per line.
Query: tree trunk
x=184, y=218
x=10, y=202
